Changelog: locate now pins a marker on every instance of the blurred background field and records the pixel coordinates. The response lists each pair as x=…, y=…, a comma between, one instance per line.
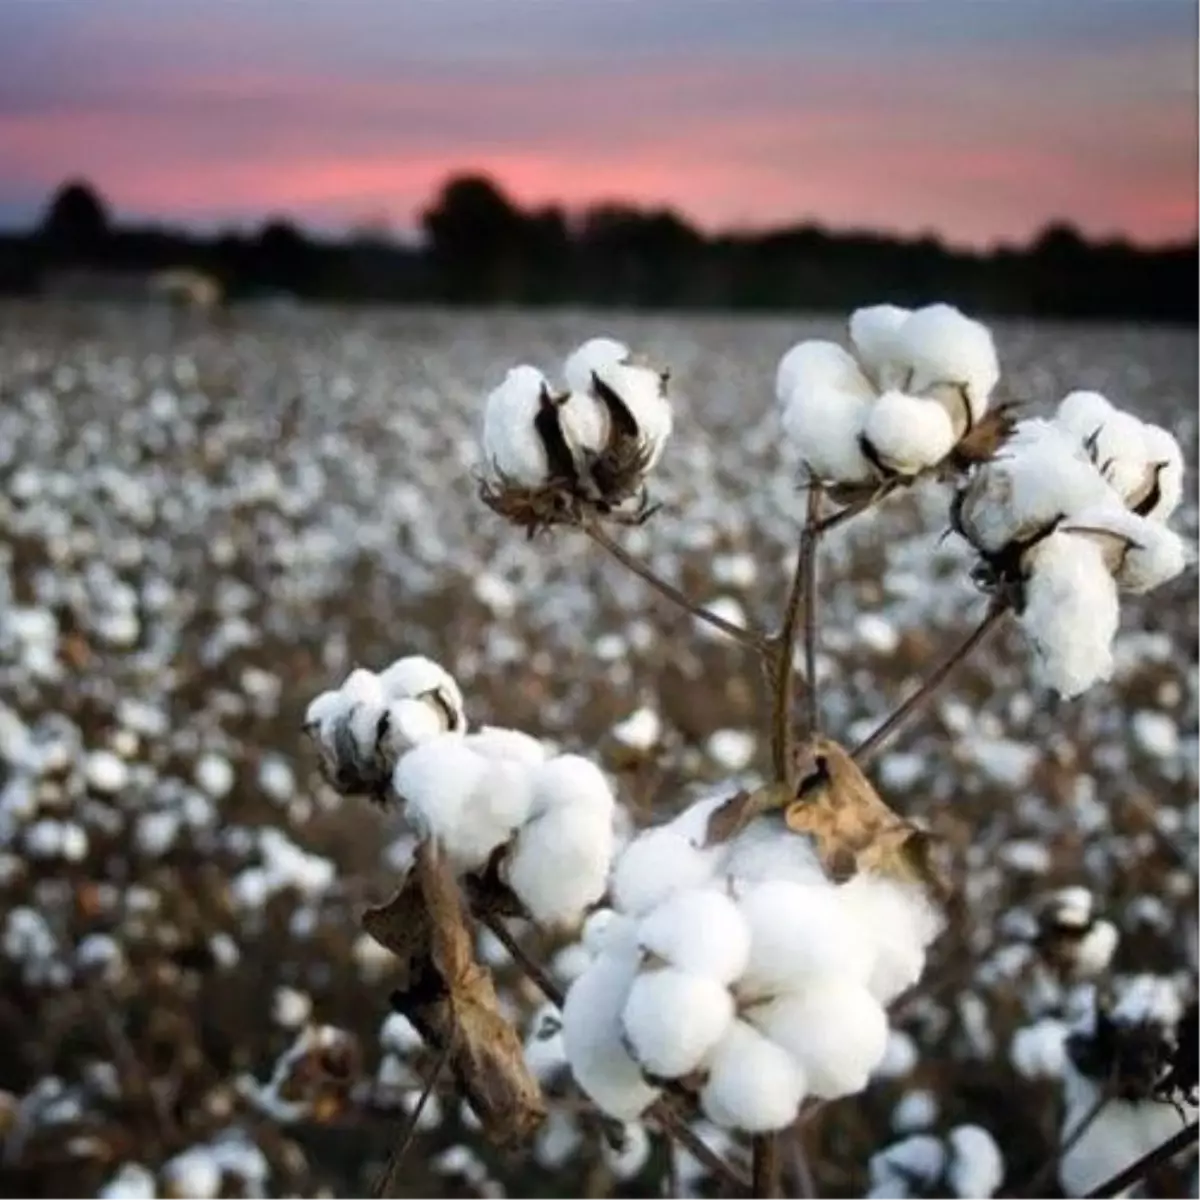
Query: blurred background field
x=206, y=519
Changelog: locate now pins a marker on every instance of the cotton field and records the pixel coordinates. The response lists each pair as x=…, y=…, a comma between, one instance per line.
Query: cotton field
x=264, y=629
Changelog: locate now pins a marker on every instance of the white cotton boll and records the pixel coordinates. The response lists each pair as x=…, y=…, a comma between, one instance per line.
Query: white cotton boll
x=634, y=1153
x=1071, y=613
x=908, y=434
x=131, y=1182
x=1093, y=952
x=195, y=1173
x=364, y=687
x=824, y=399
x=655, y=864
x=916, y=1161
x=459, y=797
x=1081, y=413
x=1142, y=554
x=1038, y=1051
x=899, y=922
x=496, y=743
x=753, y=1084
x=765, y=850
x=976, y=1167
x=585, y=422
x=942, y=346
x=833, y=1027
x=799, y=932
x=701, y=930
x=570, y=779
x=592, y=1032
x=105, y=772
x=603, y=926
x=595, y=354
x=511, y=443
x=559, y=862
x=875, y=332
x=1164, y=455
x=673, y=1019
x=642, y=390
x=640, y=730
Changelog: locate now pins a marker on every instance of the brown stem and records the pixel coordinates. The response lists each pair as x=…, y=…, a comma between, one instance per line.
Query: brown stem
x=1144, y=1165
x=749, y=638
x=858, y=506
x=802, y=1177
x=670, y=1121
x=801, y=599
x=387, y=1178
x=920, y=699
x=765, y=1181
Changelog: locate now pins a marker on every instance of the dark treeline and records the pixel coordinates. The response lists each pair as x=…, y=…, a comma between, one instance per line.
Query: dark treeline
x=480, y=248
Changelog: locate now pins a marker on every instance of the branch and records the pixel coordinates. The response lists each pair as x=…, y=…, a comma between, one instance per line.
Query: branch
x=1037, y=1185
x=387, y=1177
x=921, y=698
x=749, y=638
x=765, y=1180
x=853, y=509
x=671, y=1121
x=1144, y=1165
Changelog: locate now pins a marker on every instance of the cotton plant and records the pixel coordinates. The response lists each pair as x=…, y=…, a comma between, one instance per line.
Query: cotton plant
x=735, y=964
x=1067, y=515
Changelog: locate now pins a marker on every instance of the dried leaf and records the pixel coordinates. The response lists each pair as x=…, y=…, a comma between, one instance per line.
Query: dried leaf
x=984, y=438
x=853, y=828
x=451, y=1000
x=739, y=810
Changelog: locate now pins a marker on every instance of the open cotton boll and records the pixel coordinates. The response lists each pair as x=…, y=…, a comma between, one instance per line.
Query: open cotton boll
x=1165, y=459
x=584, y=422
x=511, y=442
x=642, y=390
x=875, y=332
x=1141, y=554
x=559, y=862
x=753, y=1084
x=497, y=743
x=594, y=355
x=824, y=398
x=414, y=675
x=461, y=798
x=916, y=1162
x=605, y=925
x=404, y=724
x=1071, y=612
x=976, y=1165
x=899, y=922
x=574, y=780
x=766, y=850
x=701, y=930
x=673, y=1019
x=655, y=864
x=908, y=434
x=364, y=687
x=799, y=932
x=1081, y=413
x=833, y=1027
x=942, y=346
x=592, y=1032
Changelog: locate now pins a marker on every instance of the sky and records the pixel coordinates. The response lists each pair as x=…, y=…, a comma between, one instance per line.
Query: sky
x=977, y=120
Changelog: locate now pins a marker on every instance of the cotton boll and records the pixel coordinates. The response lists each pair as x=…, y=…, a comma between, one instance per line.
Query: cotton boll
x=404, y=724
x=605, y=925
x=875, y=332
x=592, y=1032
x=585, y=423
x=753, y=1084
x=655, y=864
x=673, y=1019
x=1082, y=413
x=976, y=1164
x=701, y=930
x=324, y=710
x=559, y=862
x=799, y=932
x=496, y=743
x=628, y=1161
x=572, y=780
x=766, y=850
x=824, y=398
x=364, y=687
x=914, y=1162
x=1141, y=554
x=416, y=677
x=899, y=923
x=595, y=354
x=1165, y=459
x=642, y=390
x=908, y=434
x=1038, y=1051
x=942, y=346
x=834, y=1028
x=1071, y=613
x=511, y=443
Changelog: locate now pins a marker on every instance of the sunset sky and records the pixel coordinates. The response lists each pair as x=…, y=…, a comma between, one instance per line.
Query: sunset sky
x=976, y=119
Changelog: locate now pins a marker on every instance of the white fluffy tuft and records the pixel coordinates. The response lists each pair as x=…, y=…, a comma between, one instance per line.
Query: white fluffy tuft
x=907, y=433
x=753, y=1084
x=875, y=332
x=673, y=1019
x=511, y=443
x=700, y=930
x=655, y=864
x=942, y=346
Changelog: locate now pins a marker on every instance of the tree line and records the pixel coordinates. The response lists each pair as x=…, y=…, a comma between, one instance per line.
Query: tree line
x=481, y=248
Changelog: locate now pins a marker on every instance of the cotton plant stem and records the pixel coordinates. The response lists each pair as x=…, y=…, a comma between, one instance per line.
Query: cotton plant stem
x=921, y=698
x=672, y=1122
x=765, y=1170
x=387, y=1178
x=749, y=638
x=1137, y=1171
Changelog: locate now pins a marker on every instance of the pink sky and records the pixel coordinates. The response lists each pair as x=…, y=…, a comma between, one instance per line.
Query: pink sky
x=977, y=138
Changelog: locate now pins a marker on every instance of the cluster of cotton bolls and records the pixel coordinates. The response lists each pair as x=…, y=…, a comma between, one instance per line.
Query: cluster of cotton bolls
x=362, y=728
x=740, y=967
x=1137, y=1045
x=916, y=383
x=597, y=438
x=1069, y=513
x=966, y=1163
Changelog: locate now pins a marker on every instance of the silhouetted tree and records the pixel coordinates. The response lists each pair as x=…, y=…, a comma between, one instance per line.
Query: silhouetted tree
x=75, y=226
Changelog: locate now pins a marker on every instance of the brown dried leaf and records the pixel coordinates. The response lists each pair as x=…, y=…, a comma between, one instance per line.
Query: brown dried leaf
x=853, y=828
x=985, y=437
x=739, y=810
x=451, y=1000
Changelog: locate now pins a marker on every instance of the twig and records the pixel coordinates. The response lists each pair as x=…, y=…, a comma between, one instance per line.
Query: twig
x=387, y=1178
x=671, y=1122
x=867, y=748
x=1042, y=1176
x=801, y=598
x=749, y=638
x=801, y=1172
x=765, y=1181
x=1144, y=1165
x=858, y=506
x=671, y=1171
